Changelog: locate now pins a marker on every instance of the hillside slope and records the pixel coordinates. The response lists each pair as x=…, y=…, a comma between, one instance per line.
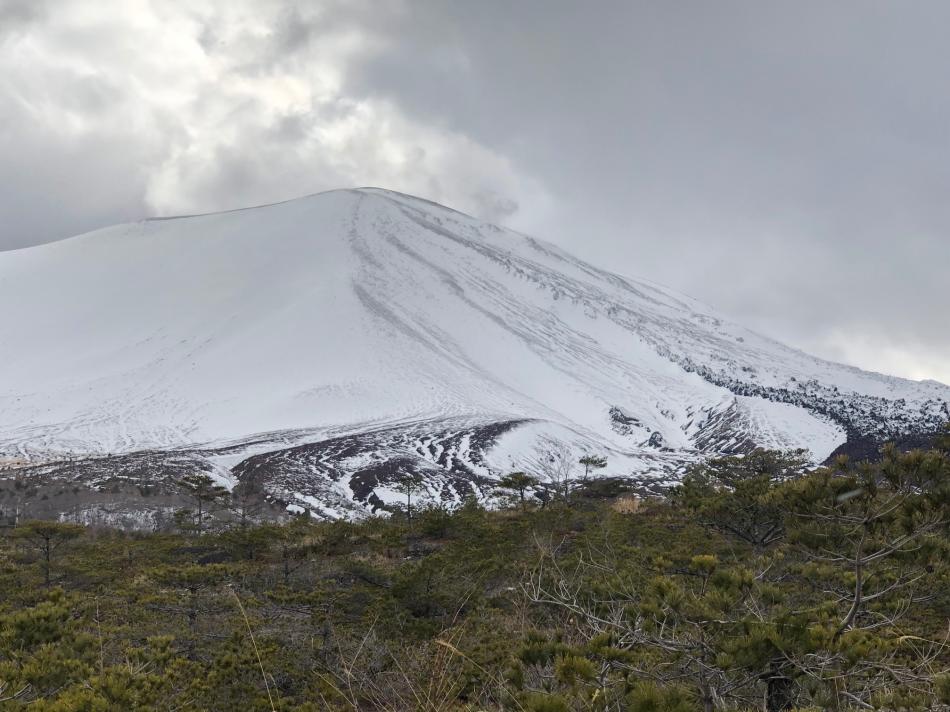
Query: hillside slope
x=408, y=326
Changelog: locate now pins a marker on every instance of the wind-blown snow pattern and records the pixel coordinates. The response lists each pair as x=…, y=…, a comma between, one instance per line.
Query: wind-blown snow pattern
x=421, y=337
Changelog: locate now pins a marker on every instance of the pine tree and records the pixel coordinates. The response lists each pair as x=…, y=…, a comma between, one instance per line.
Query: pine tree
x=736, y=494
x=409, y=483
x=205, y=493
x=45, y=538
x=519, y=482
x=873, y=536
x=591, y=463
x=246, y=502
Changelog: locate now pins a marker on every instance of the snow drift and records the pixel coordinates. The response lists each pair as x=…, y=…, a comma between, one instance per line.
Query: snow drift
x=367, y=311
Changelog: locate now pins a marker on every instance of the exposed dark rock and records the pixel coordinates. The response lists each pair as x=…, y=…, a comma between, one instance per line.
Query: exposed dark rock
x=860, y=448
x=623, y=423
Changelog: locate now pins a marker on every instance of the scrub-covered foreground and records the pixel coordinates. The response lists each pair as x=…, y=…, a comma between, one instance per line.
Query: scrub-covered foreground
x=748, y=588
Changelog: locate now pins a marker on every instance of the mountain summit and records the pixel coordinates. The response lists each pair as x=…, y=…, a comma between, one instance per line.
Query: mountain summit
x=324, y=345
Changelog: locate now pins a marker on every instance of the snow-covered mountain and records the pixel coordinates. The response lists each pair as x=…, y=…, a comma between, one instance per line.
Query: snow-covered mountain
x=325, y=344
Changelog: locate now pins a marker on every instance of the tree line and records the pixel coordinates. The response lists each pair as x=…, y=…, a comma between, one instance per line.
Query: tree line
x=756, y=584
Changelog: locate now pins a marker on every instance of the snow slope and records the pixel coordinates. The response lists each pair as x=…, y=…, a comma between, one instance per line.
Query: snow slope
x=357, y=311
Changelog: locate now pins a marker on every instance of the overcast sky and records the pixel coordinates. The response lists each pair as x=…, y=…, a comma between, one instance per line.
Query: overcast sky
x=786, y=162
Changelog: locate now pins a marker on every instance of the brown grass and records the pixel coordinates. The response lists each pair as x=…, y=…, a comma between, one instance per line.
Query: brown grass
x=627, y=504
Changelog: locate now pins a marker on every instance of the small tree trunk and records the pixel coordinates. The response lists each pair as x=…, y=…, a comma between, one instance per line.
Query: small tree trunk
x=778, y=693
x=705, y=690
x=47, y=560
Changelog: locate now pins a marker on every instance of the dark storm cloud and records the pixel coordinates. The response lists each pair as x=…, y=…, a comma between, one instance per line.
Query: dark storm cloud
x=788, y=163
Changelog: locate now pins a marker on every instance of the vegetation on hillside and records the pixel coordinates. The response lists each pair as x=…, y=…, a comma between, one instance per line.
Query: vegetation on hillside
x=751, y=587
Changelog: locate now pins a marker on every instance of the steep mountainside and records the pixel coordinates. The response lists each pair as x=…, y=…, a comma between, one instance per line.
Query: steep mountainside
x=324, y=345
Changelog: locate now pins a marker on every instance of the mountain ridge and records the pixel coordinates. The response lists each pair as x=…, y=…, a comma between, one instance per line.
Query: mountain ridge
x=363, y=313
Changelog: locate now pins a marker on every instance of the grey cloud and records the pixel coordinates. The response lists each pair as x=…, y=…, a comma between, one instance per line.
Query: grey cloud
x=16, y=14
x=43, y=200
x=495, y=207
x=785, y=162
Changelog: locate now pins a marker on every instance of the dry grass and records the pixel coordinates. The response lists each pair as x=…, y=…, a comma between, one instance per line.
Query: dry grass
x=257, y=652
x=627, y=504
